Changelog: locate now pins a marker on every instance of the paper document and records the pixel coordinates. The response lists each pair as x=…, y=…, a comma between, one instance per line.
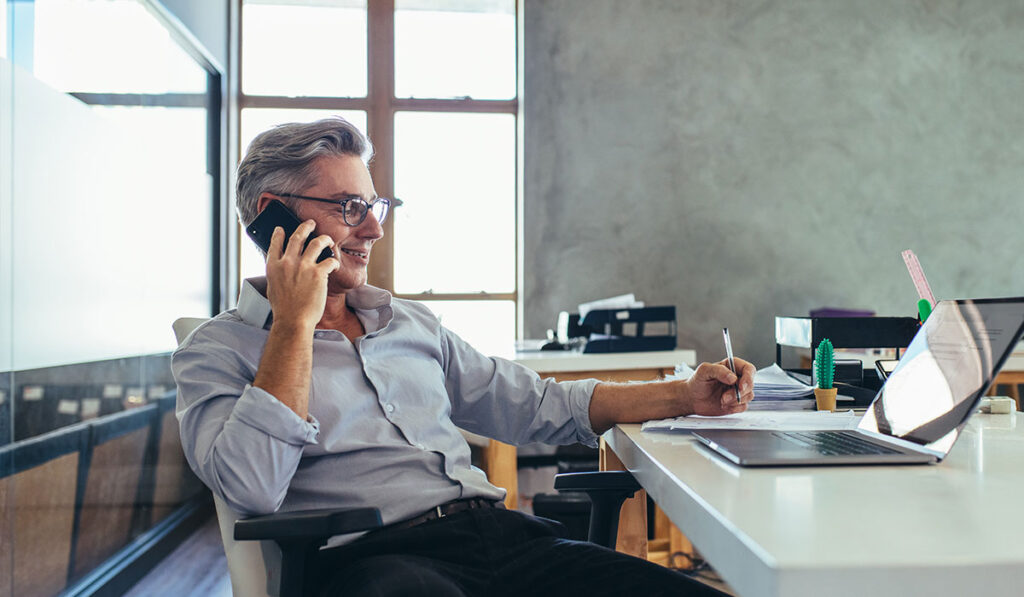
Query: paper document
x=773, y=420
x=770, y=383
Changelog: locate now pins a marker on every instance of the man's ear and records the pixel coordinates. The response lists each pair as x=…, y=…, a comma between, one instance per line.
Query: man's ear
x=262, y=202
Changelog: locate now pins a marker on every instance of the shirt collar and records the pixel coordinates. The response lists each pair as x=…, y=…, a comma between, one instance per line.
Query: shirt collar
x=254, y=308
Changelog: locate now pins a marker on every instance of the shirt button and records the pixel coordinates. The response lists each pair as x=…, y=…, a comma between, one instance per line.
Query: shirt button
x=421, y=446
x=389, y=407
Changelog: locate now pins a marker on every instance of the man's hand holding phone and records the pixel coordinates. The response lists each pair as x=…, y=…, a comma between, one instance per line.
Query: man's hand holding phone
x=296, y=283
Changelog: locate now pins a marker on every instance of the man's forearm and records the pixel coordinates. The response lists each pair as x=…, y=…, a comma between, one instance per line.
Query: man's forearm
x=287, y=365
x=709, y=392
x=614, y=403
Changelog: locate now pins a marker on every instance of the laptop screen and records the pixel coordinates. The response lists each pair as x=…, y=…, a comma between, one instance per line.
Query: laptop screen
x=949, y=364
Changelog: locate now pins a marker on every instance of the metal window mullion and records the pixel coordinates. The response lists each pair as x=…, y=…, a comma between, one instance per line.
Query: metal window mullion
x=416, y=104
x=305, y=103
x=380, y=22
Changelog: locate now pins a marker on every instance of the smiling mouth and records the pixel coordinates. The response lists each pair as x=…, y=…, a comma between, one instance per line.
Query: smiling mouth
x=360, y=254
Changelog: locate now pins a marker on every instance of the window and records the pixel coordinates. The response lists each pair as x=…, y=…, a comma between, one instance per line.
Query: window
x=434, y=84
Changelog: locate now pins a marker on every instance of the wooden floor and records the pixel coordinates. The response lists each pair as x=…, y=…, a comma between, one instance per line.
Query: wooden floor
x=197, y=568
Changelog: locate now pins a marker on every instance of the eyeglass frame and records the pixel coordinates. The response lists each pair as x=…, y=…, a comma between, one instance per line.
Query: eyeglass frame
x=389, y=201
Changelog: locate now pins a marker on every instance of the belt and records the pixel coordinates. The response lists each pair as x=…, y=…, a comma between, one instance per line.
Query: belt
x=446, y=510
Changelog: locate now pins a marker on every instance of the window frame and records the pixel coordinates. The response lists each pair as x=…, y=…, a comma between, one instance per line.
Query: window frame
x=380, y=106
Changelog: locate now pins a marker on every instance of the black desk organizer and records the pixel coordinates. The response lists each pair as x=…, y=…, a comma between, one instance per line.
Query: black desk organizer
x=846, y=332
x=629, y=330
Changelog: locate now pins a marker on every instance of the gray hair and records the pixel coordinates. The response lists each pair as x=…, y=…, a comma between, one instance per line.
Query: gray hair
x=281, y=159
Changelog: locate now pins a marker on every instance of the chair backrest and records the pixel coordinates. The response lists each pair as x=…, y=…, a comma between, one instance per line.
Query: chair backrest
x=254, y=566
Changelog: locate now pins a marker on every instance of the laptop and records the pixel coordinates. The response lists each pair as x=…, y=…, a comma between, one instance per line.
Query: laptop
x=921, y=408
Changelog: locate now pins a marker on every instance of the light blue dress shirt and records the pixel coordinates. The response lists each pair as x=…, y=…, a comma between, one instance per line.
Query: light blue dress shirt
x=383, y=412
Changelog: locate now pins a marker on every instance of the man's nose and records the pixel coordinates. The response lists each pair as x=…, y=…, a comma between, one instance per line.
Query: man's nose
x=371, y=227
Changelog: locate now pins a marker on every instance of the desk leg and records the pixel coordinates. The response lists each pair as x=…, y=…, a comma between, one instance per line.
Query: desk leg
x=501, y=468
x=679, y=545
x=632, y=537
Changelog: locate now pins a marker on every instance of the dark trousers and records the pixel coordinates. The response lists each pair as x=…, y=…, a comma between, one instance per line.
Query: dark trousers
x=493, y=553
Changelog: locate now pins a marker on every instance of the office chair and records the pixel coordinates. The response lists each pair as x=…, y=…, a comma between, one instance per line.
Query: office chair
x=267, y=554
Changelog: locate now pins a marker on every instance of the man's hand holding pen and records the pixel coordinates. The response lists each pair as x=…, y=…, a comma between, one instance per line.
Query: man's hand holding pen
x=710, y=391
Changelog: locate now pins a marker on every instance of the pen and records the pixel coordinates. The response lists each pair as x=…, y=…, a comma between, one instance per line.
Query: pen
x=732, y=363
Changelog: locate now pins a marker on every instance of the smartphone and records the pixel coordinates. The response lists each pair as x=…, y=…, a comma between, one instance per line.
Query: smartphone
x=274, y=215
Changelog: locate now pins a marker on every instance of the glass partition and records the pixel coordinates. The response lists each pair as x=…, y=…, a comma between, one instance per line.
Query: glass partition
x=109, y=150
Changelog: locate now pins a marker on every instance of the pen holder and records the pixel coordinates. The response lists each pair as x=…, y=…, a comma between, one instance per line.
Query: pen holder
x=825, y=399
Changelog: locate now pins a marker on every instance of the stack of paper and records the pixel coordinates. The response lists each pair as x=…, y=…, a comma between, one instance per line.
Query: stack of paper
x=770, y=383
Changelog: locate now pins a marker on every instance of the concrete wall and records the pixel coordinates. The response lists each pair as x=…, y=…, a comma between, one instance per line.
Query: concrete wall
x=744, y=160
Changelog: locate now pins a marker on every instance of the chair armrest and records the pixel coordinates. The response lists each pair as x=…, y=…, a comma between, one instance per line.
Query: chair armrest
x=307, y=524
x=597, y=481
x=607, y=491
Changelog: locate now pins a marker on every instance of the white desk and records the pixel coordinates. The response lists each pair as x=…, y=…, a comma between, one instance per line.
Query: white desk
x=949, y=529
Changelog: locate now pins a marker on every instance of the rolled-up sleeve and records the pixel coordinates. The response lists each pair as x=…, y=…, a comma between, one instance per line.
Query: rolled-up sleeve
x=239, y=439
x=511, y=403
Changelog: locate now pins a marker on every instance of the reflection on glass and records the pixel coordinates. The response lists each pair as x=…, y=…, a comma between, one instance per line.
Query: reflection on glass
x=108, y=47
x=296, y=50
x=489, y=326
x=106, y=217
x=6, y=400
x=456, y=175
x=449, y=49
x=129, y=198
x=253, y=122
x=943, y=371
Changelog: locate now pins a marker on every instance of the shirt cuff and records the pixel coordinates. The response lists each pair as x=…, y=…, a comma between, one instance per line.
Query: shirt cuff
x=580, y=394
x=259, y=408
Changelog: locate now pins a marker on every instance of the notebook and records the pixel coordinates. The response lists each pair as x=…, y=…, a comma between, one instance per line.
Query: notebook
x=921, y=408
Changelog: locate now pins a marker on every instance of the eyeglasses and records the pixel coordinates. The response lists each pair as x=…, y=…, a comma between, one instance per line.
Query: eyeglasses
x=354, y=209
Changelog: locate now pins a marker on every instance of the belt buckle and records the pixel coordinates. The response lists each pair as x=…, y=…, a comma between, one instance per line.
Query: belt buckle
x=440, y=513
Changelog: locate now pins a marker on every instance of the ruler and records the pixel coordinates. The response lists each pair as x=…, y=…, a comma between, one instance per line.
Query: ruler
x=917, y=275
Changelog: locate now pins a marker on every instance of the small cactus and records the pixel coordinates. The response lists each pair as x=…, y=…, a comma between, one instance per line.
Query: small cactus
x=824, y=364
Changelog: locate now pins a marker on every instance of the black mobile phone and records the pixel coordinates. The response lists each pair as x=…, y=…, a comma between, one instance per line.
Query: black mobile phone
x=274, y=215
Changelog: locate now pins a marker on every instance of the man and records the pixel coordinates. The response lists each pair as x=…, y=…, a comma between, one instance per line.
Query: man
x=320, y=391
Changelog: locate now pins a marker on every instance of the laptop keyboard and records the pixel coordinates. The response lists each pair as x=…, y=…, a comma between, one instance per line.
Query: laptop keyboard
x=831, y=443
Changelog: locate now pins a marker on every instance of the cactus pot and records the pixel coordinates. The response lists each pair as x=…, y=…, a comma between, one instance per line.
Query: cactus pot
x=825, y=399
